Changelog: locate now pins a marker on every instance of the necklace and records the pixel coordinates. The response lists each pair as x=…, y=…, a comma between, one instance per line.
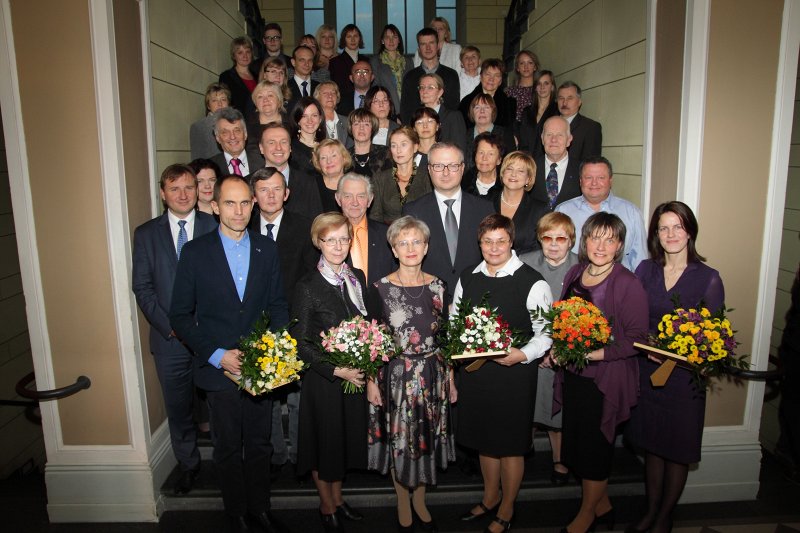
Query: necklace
x=503, y=199
x=599, y=273
x=362, y=160
x=403, y=285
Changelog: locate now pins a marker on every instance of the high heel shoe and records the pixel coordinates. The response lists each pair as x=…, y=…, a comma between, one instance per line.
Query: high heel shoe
x=405, y=529
x=559, y=478
x=468, y=516
x=607, y=519
x=429, y=526
x=331, y=523
x=505, y=523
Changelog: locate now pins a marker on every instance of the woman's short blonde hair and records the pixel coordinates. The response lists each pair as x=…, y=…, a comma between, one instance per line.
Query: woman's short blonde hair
x=328, y=84
x=327, y=222
x=243, y=42
x=271, y=87
x=347, y=159
x=553, y=221
x=521, y=157
x=407, y=223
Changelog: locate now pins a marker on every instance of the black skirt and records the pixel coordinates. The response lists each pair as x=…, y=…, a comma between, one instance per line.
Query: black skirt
x=584, y=448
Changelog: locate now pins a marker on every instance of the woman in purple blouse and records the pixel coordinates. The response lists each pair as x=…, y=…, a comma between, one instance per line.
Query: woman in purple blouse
x=598, y=398
x=668, y=422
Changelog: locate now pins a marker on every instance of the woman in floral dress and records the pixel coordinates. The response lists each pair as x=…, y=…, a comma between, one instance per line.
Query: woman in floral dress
x=408, y=421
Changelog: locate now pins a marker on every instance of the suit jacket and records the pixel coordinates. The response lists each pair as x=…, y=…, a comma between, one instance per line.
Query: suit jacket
x=347, y=102
x=297, y=93
x=206, y=312
x=587, y=138
x=506, y=107
x=342, y=134
x=530, y=131
x=154, y=266
x=304, y=196
x=295, y=250
x=525, y=219
x=570, y=188
x=410, y=99
x=505, y=135
x=254, y=161
x=468, y=253
x=201, y=138
x=380, y=260
x=241, y=97
x=452, y=128
x=340, y=67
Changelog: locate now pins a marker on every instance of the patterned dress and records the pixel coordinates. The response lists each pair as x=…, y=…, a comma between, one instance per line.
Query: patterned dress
x=411, y=432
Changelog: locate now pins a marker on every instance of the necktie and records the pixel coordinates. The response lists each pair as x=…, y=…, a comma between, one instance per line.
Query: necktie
x=183, y=238
x=552, y=185
x=360, y=101
x=356, y=255
x=451, y=230
x=305, y=90
x=236, y=164
x=269, y=232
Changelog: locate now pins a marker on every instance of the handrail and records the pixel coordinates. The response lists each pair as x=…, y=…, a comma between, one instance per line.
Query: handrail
x=81, y=383
x=759, y=375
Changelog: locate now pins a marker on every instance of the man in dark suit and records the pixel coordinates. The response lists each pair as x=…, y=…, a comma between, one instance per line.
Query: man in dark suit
x=298, y=256
x=276, y=147
x=451, y=215
x=587, y=135
x=301, y=83
x=231, y=134
x=428, y=47
x=369, y=250
x=156, y=247
x=225, y=281
x=273, y=47
x=362, y=77
x=558, y=176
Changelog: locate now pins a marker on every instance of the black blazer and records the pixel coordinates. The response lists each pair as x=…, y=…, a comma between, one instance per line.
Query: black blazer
x=297, y=93
x=530, y=131
x=468, y=253
x=241, y=98
x=380, y=259
x=452, y=128
x=340, y=68
x=468, y=184
x=570, y=188
x=409, y=102
x=505, y=135
x=303, y=194
x=587, y=138
x=254, y=161
x=506, y=107
x=154, y=266
x=206, y=312
x=525, y=219
x=297, y=255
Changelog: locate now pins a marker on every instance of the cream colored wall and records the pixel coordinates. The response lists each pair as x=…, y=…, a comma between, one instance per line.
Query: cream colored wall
x=68, y=207
x=735, y=168
x=600, y=45
x=20, y=439
x=189, y=47
x=485, y=26
x=789, y=262
x=282, y=12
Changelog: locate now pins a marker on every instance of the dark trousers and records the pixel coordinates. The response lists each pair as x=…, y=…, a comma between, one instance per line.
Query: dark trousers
x=177, y=386
x=240, y=426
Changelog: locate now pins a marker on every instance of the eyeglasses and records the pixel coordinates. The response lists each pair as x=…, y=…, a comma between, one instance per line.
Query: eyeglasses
x=362, y=72
x=675, y=230
x=439, y=167
x=333, y=241
x=416, y=243
x=380, y=102
x=273, y=38
x=491, y=242
x=425, y=122
x=547, y=239
x=427, y=87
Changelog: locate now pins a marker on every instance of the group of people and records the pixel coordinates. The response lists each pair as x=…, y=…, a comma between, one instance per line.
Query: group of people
x=386, y=190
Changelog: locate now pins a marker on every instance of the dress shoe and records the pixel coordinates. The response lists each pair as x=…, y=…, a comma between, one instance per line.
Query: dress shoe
x=468, y=516
x=238, y=524
x=268, y=523
x=505, y=523
x=633, y=529
x=331, y=523
x=186, y=481
x=348, y=512
x=405, y=529
x=607, y=519
x=559, y=478
x=430, y=526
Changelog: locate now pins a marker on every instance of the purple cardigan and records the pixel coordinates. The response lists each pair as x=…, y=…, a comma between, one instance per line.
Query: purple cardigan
x=617, y=375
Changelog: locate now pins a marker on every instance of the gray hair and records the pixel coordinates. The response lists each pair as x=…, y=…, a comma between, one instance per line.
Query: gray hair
x=407, y=223
x=442, y=145
x=570, y=84
x=230, y=114
x=352, y=176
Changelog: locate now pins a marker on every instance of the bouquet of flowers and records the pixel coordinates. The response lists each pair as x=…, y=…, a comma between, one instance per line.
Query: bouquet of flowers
x=703, y=340
x=577, y=327
x=269, y=359
x=476, y=330
x=358, y=343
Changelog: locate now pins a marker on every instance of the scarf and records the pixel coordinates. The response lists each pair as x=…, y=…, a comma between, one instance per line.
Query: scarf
x=346, y=278
x=397, y=66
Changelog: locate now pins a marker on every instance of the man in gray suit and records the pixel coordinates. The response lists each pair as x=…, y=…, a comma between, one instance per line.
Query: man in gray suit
x=231, y=134
x=156, y=247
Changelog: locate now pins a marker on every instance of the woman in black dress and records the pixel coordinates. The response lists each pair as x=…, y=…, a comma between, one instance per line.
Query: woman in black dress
x=496, y=401
x=333, y=425
x=307, y=121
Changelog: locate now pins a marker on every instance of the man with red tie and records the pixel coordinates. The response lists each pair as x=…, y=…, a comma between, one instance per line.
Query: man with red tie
x=231, y=134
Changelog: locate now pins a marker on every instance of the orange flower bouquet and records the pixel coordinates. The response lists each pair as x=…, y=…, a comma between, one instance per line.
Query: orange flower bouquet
x=577, y=327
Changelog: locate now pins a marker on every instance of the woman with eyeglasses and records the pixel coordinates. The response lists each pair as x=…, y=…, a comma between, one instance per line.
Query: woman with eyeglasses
x=426, y=123
x=556, y=234
x=409, y=427
x=482, y=113
x=379, y=103
x=518, y=174
x=274, y=70
x=496, y=400
x=333, y=424
x=452, y=128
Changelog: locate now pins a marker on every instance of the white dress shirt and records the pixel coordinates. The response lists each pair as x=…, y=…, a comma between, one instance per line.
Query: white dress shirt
x=277, y=222
x=561, y=168
x=440, y=198
x=174, y=228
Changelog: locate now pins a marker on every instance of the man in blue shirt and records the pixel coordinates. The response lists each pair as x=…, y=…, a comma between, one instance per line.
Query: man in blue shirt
x=596, y=179
x=225, y=280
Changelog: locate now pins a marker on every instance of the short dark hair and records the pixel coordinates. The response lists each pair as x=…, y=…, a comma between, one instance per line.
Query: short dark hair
x=263, y=174
x=274, y=126
x=496, y=221
x=362, y=113
x=491, y=139
x=175, y=171
x=493, y=62
x=370, y=96
x=229, y=114
x=429, y=32
x=347, y=29
x=201, y=164
x=297, y=114
x=596, y=160
x=602, y=222
x=229, y=177
x=689, y=223
x=301, y=47
x=273, y=26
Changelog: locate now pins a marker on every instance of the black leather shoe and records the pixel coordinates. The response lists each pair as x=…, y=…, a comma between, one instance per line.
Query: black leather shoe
x=405, y=529
x=607, y=519
x=238, y=524
x=331, y=523
x=348, y=512
x=430, y=527
x=558, y=478
x=468, y=516
x=505, y=523
x=186, y=481
x=268, y=523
